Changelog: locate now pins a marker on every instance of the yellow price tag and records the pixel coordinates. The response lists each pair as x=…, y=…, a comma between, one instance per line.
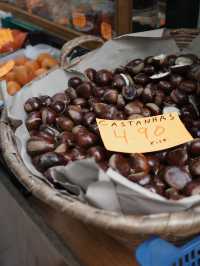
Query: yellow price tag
x=143, y=135
x=5, y=37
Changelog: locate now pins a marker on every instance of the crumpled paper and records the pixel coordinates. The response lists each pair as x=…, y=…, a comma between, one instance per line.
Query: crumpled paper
x=83, y=179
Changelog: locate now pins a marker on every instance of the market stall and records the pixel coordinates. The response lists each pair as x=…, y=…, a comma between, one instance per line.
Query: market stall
x=90, y=136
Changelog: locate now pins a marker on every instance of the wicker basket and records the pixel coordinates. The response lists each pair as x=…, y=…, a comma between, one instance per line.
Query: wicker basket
x=131, y=229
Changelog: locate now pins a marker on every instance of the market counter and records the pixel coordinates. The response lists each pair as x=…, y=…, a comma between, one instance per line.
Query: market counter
x=34, y=234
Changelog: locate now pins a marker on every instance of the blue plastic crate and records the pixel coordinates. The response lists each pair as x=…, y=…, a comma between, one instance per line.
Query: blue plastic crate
x=158, y=252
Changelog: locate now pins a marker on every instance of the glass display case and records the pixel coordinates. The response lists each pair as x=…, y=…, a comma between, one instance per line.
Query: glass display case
x=104, y=18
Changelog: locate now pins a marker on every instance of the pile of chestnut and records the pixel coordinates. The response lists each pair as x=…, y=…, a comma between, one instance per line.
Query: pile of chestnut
x=63, y=127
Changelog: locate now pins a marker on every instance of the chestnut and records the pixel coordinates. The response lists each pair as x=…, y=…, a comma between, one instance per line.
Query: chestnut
x=61, y=97
x=50, y=159
x=99, y=91
x=74, y=82
x=140, y=178
x=187, y=86
x=38, y=145
x=195, y=166
x=129, y=92
x=132, y=108
x=61, y=148
x=48, y=116
x=80, y=101
x=84, y=90
x=179, y=97
x=58, y=107
x=177, y=157
x=110, y=96
x=148, y=92
x=194, y=147
x=91, y=74
x=139, y=163
x=120, y=163
x=164, y=85
x=120, y=102
x=66, y=137
x=71, y=93
x=104, y=77
x=86, y=139
x=155, y=110
x=101, y=109
x=76, y=153
x=89, y=118
x=64, y=124
x=149, y=69
x=98, y=152
x=141, y=78
x=175, y=80
x=135, y=66
x=75, y=113
x=175, y=177
x=32, y=104
x=33, y=121
x=49, y=130
x=118, y=81
x=193, y=188
x=46, y=100
x=173, y=194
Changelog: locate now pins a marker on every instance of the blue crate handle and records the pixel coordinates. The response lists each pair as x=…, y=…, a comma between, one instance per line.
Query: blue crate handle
x=158, y=252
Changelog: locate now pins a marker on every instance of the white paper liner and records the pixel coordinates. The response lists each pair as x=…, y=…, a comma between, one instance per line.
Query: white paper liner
x=109, y=190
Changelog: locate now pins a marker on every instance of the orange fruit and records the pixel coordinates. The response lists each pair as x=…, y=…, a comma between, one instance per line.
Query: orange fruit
x=33, y=65
x=43, y=56
x=48, y=63
x=10, y=76
x=13, y=87
x=23, y=75
x=20, y=60
x=40, y=71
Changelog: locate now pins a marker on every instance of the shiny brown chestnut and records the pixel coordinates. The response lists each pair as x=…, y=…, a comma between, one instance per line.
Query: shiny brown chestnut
x=33, y=121
x=75, y=113
x=110, y=96
x=91, y=74
x=48, y=116
x=32, y=104
x=119, y=163
x=45, y=100
x=64, y=123
x=86, y=139
x=58, y=107
x=129, y=92
x=50, y=159
x=80, y=101
x=177, y=157
x=85, y=90
x=38, y=145
x=195, y=166
x=71, y=93
x=89, y=118
x=74, y=82
x=98, y=152
x=135, y=66
x=61, y=97
x=66, y=137
x=118, y=82
x=188, y=86
x=132, y=108
x=104, y=77
x=194, y=147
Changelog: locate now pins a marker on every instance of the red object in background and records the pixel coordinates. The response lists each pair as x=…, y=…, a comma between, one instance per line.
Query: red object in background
x=19, y=39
